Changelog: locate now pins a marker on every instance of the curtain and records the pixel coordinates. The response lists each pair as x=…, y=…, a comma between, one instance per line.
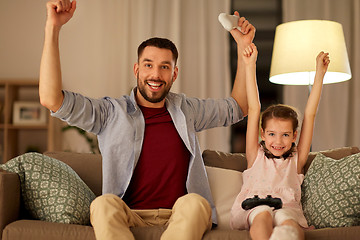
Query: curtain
x=339, y=110
x=98, y=49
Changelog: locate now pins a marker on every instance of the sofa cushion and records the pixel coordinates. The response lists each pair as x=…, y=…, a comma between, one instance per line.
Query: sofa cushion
x=50, y=189
x=331, y=192
x=225, y=185
x=40, y=230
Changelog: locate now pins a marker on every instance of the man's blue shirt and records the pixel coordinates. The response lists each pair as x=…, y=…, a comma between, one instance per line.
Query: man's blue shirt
x=119, y=126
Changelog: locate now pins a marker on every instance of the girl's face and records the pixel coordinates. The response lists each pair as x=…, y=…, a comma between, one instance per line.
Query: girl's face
x=278, y=136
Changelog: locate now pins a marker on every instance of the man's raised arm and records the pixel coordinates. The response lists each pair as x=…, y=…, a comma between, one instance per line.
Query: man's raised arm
x=243, y=39
x=59, y=12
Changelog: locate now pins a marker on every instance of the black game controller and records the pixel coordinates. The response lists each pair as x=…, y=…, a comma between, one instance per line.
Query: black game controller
x=250, y=203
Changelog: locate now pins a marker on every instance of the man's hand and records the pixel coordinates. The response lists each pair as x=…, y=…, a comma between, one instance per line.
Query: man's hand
x=59, y=12
x=247, y=34
x=322, y=63
x=243, y=40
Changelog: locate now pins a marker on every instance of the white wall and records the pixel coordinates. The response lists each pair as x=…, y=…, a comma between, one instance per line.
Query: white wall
x=21, y=38
x=92, y=65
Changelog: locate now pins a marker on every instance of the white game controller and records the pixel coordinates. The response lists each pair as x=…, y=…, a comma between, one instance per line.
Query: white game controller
x=229, y=22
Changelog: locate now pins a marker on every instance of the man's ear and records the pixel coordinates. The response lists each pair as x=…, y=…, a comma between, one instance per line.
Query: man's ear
x=175, y=74
x=136, y=69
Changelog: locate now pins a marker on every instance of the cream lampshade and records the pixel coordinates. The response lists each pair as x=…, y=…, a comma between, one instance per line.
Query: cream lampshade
x=296, y=46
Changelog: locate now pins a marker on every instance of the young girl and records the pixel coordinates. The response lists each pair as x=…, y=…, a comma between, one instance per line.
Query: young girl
x=274, y=166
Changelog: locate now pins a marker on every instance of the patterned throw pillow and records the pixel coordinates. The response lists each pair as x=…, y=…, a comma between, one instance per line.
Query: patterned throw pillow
x=51, y=190
x=331, y=192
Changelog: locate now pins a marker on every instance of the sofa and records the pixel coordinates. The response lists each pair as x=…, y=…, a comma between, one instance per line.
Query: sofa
x=224, y=172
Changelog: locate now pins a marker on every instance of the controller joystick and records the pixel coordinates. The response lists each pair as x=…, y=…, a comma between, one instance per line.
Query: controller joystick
x=255, y=201
x=229, y=22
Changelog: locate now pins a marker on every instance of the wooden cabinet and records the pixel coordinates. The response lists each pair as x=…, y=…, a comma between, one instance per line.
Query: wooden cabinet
x=31, y=132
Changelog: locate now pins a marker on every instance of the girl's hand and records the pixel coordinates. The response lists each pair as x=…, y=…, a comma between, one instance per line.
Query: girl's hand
x=250, y=54
x=322, y=62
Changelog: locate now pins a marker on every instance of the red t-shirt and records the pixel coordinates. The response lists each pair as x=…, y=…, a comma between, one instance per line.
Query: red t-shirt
x=159, y=178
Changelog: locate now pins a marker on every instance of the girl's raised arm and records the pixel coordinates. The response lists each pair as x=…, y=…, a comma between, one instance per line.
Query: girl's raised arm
x=252, y=131
x=307, y=128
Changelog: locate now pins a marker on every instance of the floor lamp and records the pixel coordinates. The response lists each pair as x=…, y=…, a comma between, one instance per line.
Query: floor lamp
x=296, y=46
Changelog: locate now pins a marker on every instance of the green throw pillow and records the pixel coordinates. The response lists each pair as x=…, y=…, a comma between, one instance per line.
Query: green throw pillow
x=331, y=192
x=51, y=190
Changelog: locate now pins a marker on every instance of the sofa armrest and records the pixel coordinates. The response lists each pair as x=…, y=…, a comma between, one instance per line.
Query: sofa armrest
x=9, y=198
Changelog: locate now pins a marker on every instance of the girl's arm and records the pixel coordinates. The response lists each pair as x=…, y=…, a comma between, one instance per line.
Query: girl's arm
x=307, y=128
x=252, y=131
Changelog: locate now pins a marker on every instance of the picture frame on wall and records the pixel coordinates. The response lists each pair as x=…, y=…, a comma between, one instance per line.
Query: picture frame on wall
x=29, y=113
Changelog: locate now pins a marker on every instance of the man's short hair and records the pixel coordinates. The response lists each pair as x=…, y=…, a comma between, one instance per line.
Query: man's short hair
x=159, y=43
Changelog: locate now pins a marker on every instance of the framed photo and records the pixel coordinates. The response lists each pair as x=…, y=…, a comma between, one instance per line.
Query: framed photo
x=29, y=113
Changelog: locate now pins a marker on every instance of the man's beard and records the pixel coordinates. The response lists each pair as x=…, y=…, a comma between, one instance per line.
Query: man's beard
x=147, y=97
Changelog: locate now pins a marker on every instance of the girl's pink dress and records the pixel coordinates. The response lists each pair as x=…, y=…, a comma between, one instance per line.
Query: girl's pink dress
x=275, y=177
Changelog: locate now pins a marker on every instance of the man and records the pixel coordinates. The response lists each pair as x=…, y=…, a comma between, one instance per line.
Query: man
x=153, y=172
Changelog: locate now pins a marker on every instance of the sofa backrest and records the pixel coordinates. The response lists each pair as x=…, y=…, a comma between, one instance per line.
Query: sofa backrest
x=89, y=168
x=237, y=161
x=87, y=165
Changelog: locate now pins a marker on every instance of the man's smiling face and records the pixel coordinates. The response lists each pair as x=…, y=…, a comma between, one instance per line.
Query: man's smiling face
x=155, y=72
